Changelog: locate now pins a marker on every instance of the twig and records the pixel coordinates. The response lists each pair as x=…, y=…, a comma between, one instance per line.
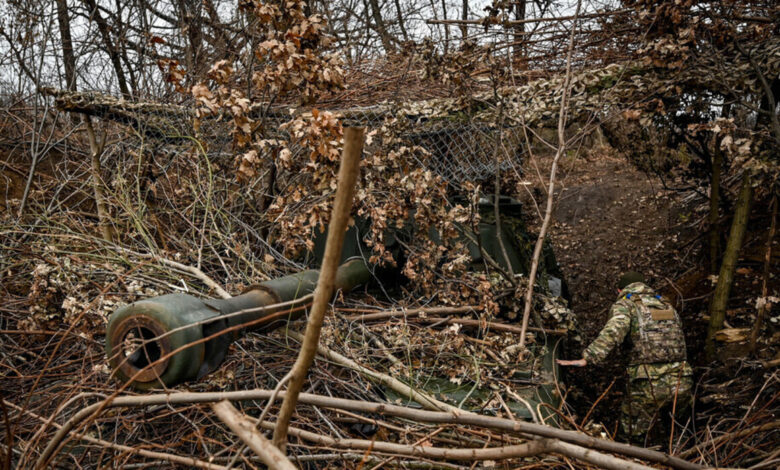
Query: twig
x=423, y=399
x=488, y=325
x=575, y=17
x=461, y=417
x=413, y=313
x=551, y=189
x=593, y=407
x=245, y=429
x=731, y=436
x=175, y=459
x=271, y=400
x=183, y=267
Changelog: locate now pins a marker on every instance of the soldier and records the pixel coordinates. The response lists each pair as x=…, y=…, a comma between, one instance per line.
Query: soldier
x=658, y=374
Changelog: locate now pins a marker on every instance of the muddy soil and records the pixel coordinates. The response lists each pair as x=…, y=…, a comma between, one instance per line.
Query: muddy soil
x=609, y=219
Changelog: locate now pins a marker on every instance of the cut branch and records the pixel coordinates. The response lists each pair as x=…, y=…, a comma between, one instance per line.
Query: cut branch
x=470, y=322
x=455, y=416
x=245, y=429
x=342, y=206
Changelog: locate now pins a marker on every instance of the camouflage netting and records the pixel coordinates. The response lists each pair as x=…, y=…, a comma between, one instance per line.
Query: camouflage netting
x=452, y=146
x=461, y=132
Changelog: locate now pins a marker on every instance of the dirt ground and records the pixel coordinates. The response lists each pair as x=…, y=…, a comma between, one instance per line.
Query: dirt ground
x=611, y=218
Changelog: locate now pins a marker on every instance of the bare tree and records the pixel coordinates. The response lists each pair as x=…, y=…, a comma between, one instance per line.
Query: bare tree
x=379, y=24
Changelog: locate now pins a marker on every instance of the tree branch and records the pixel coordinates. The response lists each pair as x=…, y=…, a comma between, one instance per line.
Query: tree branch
x=551, y=189
x=461, y=417
x=245, y=429
x=348, y=174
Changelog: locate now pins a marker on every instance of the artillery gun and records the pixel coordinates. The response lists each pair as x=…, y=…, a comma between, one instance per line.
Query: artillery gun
x=175, y=338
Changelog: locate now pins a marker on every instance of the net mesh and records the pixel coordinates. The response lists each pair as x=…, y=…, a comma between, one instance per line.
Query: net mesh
x=459, y=150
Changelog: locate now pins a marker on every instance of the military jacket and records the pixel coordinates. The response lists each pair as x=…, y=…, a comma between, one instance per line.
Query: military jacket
x=653, y=327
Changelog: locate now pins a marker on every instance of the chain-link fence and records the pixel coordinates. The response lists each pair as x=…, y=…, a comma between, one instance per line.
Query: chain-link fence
x=459, y=149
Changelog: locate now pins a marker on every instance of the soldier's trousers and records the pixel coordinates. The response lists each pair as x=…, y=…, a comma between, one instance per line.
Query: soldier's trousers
x=652, y=387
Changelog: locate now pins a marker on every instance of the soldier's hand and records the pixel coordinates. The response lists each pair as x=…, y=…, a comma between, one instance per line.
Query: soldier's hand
x=576, y=362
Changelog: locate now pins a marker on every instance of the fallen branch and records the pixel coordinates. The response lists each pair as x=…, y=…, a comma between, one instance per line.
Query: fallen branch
x=245, y=430
x=472, y=322
x=595, y=458
x=529, y=449
x=772, y=363
x=414, y=315
x=414, y=312
x=423, y=399
x=176, y=459
x=461, y=417
x=493, y=453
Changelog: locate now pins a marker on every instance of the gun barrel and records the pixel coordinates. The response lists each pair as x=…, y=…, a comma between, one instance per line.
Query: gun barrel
x=175, y=338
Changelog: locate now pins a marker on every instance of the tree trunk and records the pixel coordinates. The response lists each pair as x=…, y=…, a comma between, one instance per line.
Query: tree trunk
x=68, y=59
x=191, y=25
x=717, y=162
x=446, y=26
x=379, y=23
x=519, y=28
x=464, y=30
x=763, y=306
x=400, y=13
x=96, y=150
x=108, y=43
x=769, y=104
x=726, y=276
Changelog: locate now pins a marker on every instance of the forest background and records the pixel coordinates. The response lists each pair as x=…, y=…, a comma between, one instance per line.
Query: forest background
x=150, y=147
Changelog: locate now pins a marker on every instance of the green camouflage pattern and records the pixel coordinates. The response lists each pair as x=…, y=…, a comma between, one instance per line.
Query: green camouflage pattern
x=658, y=375
x=651, y=388
x=555, y=312
x=653, y=341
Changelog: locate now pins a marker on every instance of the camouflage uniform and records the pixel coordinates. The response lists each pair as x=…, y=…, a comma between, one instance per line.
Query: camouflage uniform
x=658, y=373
